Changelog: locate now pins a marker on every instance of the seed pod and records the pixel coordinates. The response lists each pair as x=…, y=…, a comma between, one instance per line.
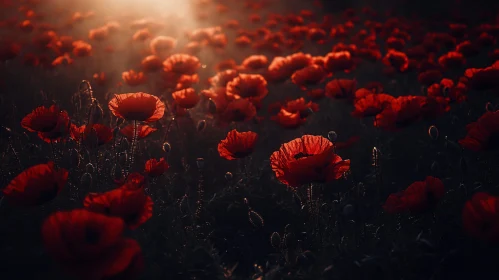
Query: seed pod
x=332, y=136
x=228, y=176
x=275, y=240
x=89, y=168
x=255, y=219
x=86, y=180
x=348, y=211
x=167, y=147
x=201, y=125
x=290, y=241
x=433, y=132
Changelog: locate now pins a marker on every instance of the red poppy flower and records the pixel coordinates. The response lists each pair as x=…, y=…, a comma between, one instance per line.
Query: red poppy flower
x=226, y=65
x=481, y=217
x=62, y=60
x=141, y=35
x=467, y=48
x=64, y=45
x=317, y=35
x=300, y=106
x=403, y=111
x=279, y=69
x=98, y=34
x=182, y=64
x=288, y=119
x=395, y=43
x=243, y=41
x=221, y=79
x=451, y=60
x=307, y=160
x=133, y=206
x=429, y=77
x=134, y=181
x=482, y=134
x=310, y=75
x=90, y=245
x=142, y=131
x=151, y=63
x=483, y=78
x=100, y=78
x=371, y=104
x=317, y=93
x=433, y=107
x=36, y=185
x=339, y=61
x=299, y=61
x=255, y=62
x=186, y=81
x=133, y=78
x=237, y=144
x=419, y=196
x=396, y=59
x=162, y=45
x=95, y=135
x=250, y=86
x=239, y=110
x=51, y=123
x=186, y=98
x=341, y=88
x=155, y=168
x=138, y=106
x=81, y=48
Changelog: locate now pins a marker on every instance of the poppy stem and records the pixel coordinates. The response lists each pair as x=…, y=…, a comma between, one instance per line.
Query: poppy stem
x=54, y=158
x=132, y=148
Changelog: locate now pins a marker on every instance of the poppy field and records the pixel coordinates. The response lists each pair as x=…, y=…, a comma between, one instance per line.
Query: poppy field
x=248, y=139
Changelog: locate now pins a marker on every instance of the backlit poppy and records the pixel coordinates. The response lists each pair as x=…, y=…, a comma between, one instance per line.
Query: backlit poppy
x=51, y=123
x=162, y=45
x=482, y=134
x=155, y=168
x=36, y=185
x=250, y=86
x=133, y=78
x=310, y=75
x=419, y=196
x=90, y=245
x=237, y=144
x=481, y=217
x=133, y=206
x=93, y=136
x=182, y=64
x=402, y=111
x=142, y=131
x=186, y=98
x=138, y=106
x=307, y=160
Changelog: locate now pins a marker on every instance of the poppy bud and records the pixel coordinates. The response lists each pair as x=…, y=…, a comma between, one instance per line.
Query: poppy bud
x=86, y=180
x=228, y=176
x=290, y=241
x=212, y=107
x=489, y=107
x=275, y=240
x=287, y=228
x=167, y=147
x=200, y=162
x=89, y=168
x=332, y=136
x=255, y=219
x=201, y=125
x=307, y=258
x=433, y=132
x=348, y=211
